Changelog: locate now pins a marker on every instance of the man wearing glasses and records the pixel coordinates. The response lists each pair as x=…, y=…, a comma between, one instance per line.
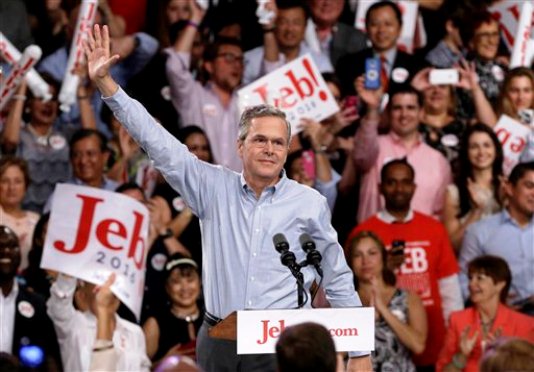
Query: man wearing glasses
x=212, y=106
x=240, y=214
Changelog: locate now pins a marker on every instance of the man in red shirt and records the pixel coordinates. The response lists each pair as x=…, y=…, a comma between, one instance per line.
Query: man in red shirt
x=428, y=267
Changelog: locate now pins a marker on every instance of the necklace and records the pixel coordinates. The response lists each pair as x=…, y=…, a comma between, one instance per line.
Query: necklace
x=189, y=318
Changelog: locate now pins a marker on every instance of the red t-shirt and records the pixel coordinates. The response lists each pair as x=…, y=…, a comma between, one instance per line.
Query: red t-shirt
x=428, y=257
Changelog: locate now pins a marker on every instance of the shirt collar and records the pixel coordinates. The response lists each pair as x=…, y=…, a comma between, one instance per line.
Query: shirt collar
x=14, y=290
x=396, y=138
x=387, y=217
x=507, y=218
x=273, y=189
x=389, y=55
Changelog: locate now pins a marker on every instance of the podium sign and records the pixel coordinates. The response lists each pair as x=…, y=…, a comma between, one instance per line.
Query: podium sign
x=353, y=329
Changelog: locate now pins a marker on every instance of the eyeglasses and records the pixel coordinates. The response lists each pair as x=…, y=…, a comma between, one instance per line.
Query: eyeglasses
x=262, y=142
x=230, y=57
x=485, y=36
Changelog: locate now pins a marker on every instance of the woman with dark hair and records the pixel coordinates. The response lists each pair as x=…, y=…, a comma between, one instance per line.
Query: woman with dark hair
x=401, y=324
x=475, y=193
x=516, y=100
x=30, y=132
x=470, y=330
x=173, y=330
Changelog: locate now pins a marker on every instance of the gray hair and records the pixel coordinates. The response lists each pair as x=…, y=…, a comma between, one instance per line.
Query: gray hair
x=260, y=111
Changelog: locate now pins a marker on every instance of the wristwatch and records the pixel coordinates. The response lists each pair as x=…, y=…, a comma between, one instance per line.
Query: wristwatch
x=166, y=234
x=459, y=360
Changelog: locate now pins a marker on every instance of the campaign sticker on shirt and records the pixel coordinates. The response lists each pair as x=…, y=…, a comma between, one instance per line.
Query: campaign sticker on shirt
x=26, y=309
x=178, y=204
x=399, y=314
x=158, y=261
x=209, y=109
x=57, y=141
x=166, y=93
x=450, y=140
x=497, y=72
x=399, y=75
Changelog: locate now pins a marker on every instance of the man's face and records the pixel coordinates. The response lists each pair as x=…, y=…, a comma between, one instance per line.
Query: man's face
x=226, y=69
x=521, y=195
x=404, y=114
x=383, y=28
x=290, y=27
x=264, y=150
x=88, y=161
x=9, y=259
x=485, y=42
x=326, y=12
x=398, y=187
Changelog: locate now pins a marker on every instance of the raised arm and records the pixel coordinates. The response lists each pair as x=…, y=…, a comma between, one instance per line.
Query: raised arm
x=469, y=81
x=366, y=148
x=99, y=61
x=184, y=43
x=11, y=132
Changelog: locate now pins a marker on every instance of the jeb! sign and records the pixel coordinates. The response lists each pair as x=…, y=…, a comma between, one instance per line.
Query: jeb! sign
x=352, y=329
x=513, y=137
x=297, y=88
x=93, y=232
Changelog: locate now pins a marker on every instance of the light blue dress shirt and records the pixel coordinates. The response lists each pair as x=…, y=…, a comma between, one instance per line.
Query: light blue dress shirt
x=500, y=235
x=242, y=269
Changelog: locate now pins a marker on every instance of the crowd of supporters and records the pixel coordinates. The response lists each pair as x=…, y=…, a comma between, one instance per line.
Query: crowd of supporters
x=436, y=218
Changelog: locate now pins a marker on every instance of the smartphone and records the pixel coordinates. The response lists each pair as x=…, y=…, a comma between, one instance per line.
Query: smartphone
x=372, y=73
x=308, y=163
x=444, y=76
x=397, y=247
x=350, y=101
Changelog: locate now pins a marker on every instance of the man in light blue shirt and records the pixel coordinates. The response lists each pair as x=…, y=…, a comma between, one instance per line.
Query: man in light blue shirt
x=508, y=234
x=239, y=213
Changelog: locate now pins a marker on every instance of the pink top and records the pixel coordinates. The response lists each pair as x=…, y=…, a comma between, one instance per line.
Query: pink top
x=23, y=227
x=372, y=151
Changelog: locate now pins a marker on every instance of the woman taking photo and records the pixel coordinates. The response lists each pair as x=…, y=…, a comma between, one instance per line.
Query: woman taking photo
x=475, y=193
x=471, y=330
x=400, y=318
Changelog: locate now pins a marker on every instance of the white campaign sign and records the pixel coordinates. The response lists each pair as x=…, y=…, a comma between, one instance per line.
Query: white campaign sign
x=508, y=14
x=520, y=52
x=513, y=137
x=297, y=88
x=92, y=233
x=353, y=329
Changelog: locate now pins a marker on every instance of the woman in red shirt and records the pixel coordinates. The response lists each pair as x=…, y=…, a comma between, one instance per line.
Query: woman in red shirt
x=471, y=330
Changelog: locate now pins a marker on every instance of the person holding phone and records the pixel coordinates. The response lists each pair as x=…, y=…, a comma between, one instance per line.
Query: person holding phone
x=383, y=22
x=429, y=267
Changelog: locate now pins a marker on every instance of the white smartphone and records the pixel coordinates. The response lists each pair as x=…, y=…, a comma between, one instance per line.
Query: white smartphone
x=444, y=76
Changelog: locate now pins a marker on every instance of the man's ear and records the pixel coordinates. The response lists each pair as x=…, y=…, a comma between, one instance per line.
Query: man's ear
x=208, y=65
x=240, y=148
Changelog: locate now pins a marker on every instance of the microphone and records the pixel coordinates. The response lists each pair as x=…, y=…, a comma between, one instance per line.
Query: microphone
x=313, y=256
x=286, y=256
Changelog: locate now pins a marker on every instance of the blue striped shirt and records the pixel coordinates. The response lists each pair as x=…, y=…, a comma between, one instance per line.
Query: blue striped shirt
x=241, y=268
